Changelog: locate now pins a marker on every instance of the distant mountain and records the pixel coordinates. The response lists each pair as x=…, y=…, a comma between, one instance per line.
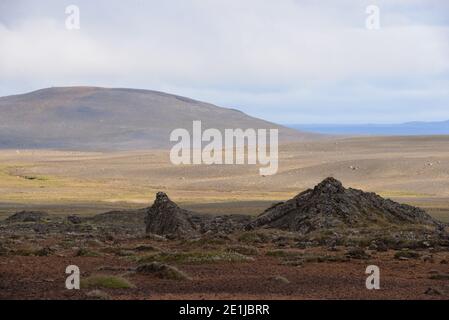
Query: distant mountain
x=124, y=119
x=407, y=129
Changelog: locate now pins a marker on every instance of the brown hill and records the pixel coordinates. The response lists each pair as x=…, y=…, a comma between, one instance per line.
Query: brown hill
x=93, y=118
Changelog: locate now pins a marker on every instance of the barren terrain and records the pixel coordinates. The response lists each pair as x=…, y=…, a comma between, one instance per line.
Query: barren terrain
x=412, y=170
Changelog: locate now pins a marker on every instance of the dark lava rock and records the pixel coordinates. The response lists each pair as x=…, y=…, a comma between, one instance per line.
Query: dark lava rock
x=164, y=217
x=331, y=206
x=3, y=250
x=123, y=217
x=46, y=251
x=27, y=216
x=379, y=245
x=74, y=219
x=220, y=224
x=41, y=228
x=434, y=292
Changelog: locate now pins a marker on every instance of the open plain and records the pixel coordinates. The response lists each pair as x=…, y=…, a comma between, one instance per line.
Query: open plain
x=255, y=265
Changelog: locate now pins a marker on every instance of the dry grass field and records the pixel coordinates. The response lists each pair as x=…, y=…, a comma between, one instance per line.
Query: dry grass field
x=412, y=170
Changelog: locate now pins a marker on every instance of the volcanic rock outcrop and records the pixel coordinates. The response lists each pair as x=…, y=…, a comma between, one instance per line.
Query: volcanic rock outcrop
x=27, y=216
x=164, y=217
x=331, y=206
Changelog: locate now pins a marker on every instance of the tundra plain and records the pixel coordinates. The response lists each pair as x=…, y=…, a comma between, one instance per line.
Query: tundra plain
x=411, y=170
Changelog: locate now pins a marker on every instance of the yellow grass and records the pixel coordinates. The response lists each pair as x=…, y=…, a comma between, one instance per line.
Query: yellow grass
x=396, y=168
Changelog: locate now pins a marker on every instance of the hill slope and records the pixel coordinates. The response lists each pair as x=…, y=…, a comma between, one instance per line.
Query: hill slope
x=99, y=118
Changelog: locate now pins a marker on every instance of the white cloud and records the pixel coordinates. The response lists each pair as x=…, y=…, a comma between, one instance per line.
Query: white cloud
x=214, y=48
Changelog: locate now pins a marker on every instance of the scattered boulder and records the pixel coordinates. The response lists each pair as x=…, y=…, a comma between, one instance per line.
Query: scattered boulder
x=379, y=246
x=428, y=258
x=41, y=228
x=331, y=206
x=3, y=250
x=74, y=219
x=45, y=251
x=28, y=216
x=434, y=292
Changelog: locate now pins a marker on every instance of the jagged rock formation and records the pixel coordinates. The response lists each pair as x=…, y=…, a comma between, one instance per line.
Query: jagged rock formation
x=331, y=206
x=164, y=217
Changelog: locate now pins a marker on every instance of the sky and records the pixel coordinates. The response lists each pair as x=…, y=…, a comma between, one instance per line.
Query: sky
x=287, y=61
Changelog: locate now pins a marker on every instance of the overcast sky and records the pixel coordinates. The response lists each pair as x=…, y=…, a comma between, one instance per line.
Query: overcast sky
x=287, y=61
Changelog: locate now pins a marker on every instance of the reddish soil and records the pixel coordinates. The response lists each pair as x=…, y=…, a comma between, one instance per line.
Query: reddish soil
x=32, y=277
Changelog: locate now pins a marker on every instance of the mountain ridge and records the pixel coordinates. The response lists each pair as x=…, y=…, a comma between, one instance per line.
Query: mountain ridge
x=405, y=128
x=89, y=118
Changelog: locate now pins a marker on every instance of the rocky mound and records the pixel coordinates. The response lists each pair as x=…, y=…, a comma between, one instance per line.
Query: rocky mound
x=124, y=217
x=220, y=224
x=164, y=217
x=331, y=206
x=27, y=216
